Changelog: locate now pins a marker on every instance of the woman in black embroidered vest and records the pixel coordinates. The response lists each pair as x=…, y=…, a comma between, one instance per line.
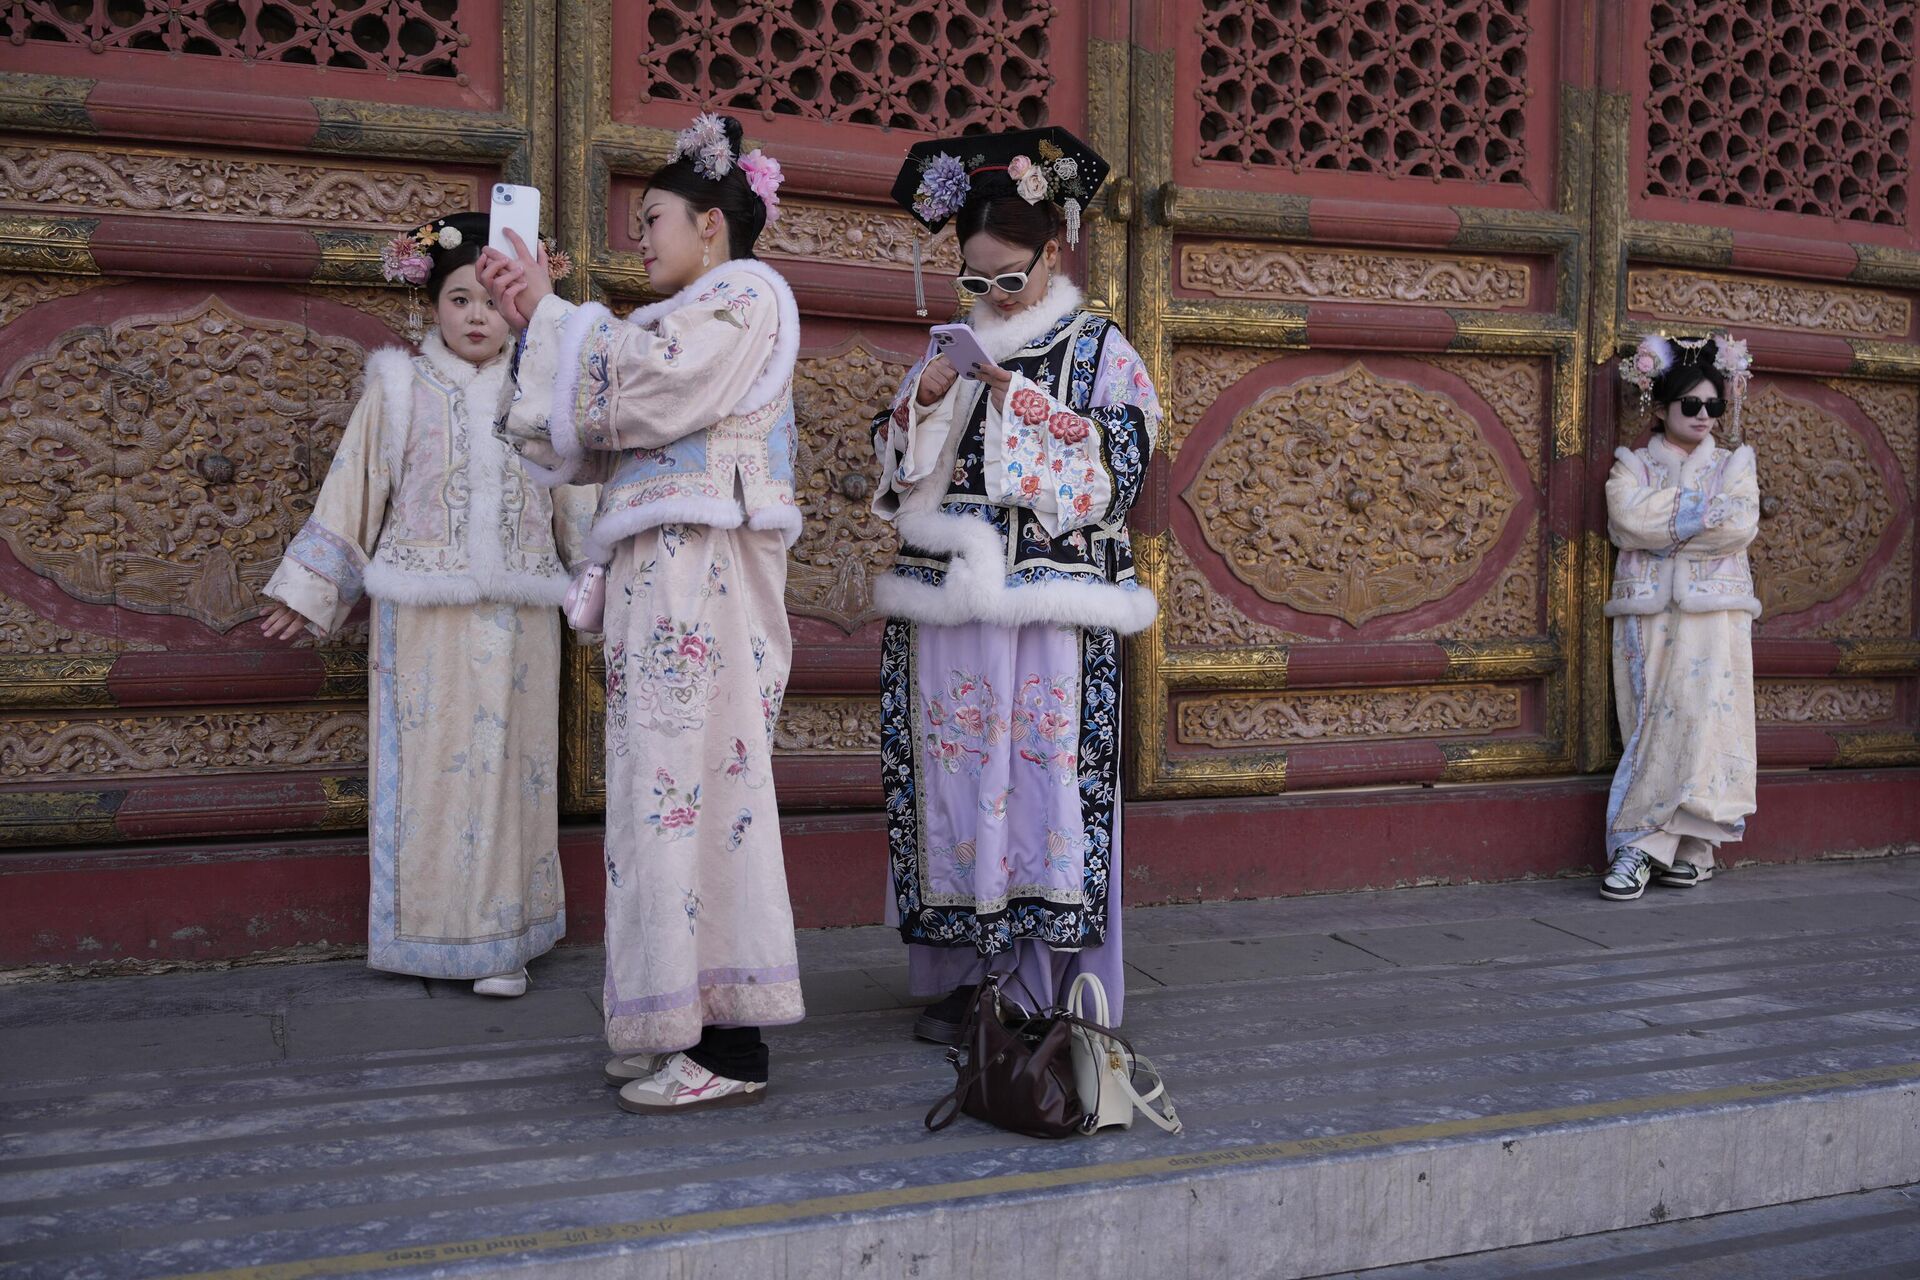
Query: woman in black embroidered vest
x=1000, y=668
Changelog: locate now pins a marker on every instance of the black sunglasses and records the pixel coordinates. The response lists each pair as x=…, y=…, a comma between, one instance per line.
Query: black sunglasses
x=1011, y=282
x=1690, y=405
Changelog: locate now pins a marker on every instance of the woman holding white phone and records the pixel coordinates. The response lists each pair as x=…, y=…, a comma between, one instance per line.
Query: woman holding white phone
x=685, y=412
x=1010, y=482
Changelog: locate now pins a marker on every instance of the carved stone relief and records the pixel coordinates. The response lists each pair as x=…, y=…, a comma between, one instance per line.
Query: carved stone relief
x=1352, y=495
x=1825, y=701
x=1833, y=502
x=843, y=545
x=160, y=463
x=1298, y=717
x=1297, y=273
x=1507, y=610
x=22, y=631
x=1885, y=612
x=828, y=726
x=1196, y=616
x=1201, y=372
x=389, y=306
x=1895, y=409
x=1513, y=387
x=200, y=743
x=868, y=237
x=201, y=185
x=1768, y=304
x=22, y=291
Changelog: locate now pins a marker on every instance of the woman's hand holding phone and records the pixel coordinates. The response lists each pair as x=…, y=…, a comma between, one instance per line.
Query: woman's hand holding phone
x=518, y=285
x=936, y=380
x=996, y=380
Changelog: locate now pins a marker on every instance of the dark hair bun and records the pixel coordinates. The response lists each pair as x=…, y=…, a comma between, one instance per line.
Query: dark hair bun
x=736, y=135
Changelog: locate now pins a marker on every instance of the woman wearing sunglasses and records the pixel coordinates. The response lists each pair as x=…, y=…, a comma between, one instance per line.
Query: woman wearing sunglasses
x=1682, y=509
x=1009, y=471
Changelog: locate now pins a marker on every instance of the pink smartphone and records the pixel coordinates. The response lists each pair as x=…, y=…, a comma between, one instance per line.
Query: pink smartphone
x=961, y=346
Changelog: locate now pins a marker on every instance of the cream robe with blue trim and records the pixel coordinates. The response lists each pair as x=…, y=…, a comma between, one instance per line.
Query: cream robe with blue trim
x=431, y=515
x=1683, y=609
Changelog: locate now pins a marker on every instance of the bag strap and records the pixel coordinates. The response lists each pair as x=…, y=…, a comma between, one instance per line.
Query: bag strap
x=1170, y=1120
x=968, y=1075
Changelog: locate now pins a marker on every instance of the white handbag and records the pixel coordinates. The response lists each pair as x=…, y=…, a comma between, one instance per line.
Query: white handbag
x=1105, y=1068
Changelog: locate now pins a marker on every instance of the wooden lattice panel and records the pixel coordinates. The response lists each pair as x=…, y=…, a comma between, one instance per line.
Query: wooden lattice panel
x=1433, y=89
x=1791, y=108
x=399, y=37
x=921, y=65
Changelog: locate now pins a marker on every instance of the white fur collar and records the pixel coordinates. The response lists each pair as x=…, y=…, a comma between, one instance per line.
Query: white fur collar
x=1688, y=465
x=456, y=370
x=774, y=378
x=1001, y=338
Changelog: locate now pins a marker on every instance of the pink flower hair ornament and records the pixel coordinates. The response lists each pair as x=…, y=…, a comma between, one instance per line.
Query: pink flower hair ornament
x=764, y=176
x=403, y=261
x=705, y=143
x=1653, y=357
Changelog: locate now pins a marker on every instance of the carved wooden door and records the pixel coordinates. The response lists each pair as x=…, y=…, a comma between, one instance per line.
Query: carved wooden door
x=1360, y=277
x=1755, y=165
x=837, y=93
x=192, y=199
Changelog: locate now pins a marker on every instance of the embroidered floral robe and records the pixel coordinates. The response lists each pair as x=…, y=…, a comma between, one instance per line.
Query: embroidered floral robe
x=699, y=929
x=431, y=515
x=1000, y=667
x=1683, y=610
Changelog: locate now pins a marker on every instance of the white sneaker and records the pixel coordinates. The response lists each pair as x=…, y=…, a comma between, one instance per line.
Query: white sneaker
x=505, y=985
x=1627, y=877
x=638, y=1066
x=1682, y=875
x=684, y=1085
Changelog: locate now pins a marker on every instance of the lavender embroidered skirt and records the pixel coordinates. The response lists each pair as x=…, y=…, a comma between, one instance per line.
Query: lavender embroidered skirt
x=1000, y=752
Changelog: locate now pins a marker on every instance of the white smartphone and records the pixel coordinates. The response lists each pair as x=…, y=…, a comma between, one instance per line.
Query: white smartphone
x=515, y=209
x=961, y=346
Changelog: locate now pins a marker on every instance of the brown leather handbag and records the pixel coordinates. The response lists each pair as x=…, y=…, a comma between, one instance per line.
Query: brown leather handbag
x=1016, y=1071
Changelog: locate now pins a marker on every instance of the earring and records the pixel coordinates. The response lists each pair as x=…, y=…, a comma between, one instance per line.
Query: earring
x=706, y=254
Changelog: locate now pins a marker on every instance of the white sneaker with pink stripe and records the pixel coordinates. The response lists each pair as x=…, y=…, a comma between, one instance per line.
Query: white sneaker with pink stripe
x=684, y=1085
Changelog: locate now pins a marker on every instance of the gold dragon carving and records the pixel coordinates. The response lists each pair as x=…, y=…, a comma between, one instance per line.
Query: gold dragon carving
x=828, y=726
x=1311, y=716
x=220, y=741
x=1769, y=304
x=160, y=462
x=1895, y=409
x=843, y=546
x=20, y=292
x=1296, y=273
x=1830, y=503
x=1352, y=495
x=200, y=185
x=811, y=231
x=1885, y=612
x=1825, y=702
x=1202, y=372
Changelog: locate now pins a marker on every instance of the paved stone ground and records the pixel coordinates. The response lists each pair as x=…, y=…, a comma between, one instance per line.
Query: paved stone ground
x=321, y=1119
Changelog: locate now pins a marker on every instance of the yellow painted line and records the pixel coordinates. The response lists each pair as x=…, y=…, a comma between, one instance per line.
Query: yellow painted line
x=903, y=1197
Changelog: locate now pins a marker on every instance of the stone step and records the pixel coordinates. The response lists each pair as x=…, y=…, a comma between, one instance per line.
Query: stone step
x=1870, y=1235
x=1367, y=1081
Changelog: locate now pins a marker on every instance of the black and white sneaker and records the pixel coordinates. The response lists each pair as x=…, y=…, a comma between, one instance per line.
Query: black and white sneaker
x=1627, y=878
x=1682, y=875
x=942, y=1020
